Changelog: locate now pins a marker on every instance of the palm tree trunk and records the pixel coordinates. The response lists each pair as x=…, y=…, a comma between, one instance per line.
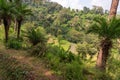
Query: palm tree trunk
x=102, y=59
x=6, y=33
x=6, y=23
x=113, y=9
x=19, y=26
x=103, y=54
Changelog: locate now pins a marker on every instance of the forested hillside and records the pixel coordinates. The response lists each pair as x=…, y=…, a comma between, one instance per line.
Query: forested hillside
x=42, y=40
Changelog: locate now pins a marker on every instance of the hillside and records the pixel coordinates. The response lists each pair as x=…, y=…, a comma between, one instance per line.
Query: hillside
x=41, y=40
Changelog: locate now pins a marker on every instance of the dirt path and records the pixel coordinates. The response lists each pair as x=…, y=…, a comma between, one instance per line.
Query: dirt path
x=38, y=67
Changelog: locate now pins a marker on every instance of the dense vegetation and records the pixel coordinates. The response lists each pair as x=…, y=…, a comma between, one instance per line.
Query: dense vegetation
x=59, y=37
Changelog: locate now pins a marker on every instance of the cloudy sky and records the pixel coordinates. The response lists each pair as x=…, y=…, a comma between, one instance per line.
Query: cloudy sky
x=79, y=4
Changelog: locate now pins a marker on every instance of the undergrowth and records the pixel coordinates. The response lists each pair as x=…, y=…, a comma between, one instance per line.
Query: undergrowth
x=13, y=70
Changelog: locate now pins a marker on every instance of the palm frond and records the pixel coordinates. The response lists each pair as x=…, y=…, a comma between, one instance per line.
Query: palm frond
x=6, y=9
x=114, y=28
x=105, y=28
x=22, y=10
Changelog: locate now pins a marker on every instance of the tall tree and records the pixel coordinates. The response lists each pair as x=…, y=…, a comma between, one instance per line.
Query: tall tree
x=21, y=12
x=6, y=14
x=113, y=9
x=107, y=30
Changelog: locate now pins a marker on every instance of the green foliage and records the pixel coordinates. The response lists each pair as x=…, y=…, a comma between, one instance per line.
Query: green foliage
x=53, y=62
x=113, y=67
x=102, y=76
x=86, y=10
x=106, y=29
x=65, y=63
x=74, y=71
x=57, y=57
x=14, y=43
x=6, y=9
x=86, y=49
x=39, y=50
x=21, y=10
x=36, y=35
x=73, y=36
x=64, y=56
x=69, y=25
x=97, y=10
x=2, y=33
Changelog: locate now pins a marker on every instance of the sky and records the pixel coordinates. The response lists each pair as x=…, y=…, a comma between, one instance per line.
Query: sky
x=79, y=4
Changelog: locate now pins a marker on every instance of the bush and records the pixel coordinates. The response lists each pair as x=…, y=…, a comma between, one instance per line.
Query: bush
x=74, y=71
x=85, y=49
x=36, y=35
x=66, y=63
x=14, y=43
x=102, y=76
x=53, y=62
x=39, y=50
x=57, y=57
x=64, y=56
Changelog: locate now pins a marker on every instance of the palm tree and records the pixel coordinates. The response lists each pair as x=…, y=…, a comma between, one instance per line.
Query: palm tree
x=107, y=30
x=113, y=9
x=6, y=13
x=21, y=12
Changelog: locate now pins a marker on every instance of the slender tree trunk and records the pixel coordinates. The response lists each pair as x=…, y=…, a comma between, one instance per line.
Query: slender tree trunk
x=103, y=54
x=113, y=9
x=19, y=26
x=6, y=26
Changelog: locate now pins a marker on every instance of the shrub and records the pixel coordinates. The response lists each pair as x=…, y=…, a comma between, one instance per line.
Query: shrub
x=74, y=71
x=57, y=57
x=36, y=35
x=39, y=50
x=14, y=43
x=61, y=53
x=85, y=49
x=66, y=63
x=53, y=61
x=102, y=76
